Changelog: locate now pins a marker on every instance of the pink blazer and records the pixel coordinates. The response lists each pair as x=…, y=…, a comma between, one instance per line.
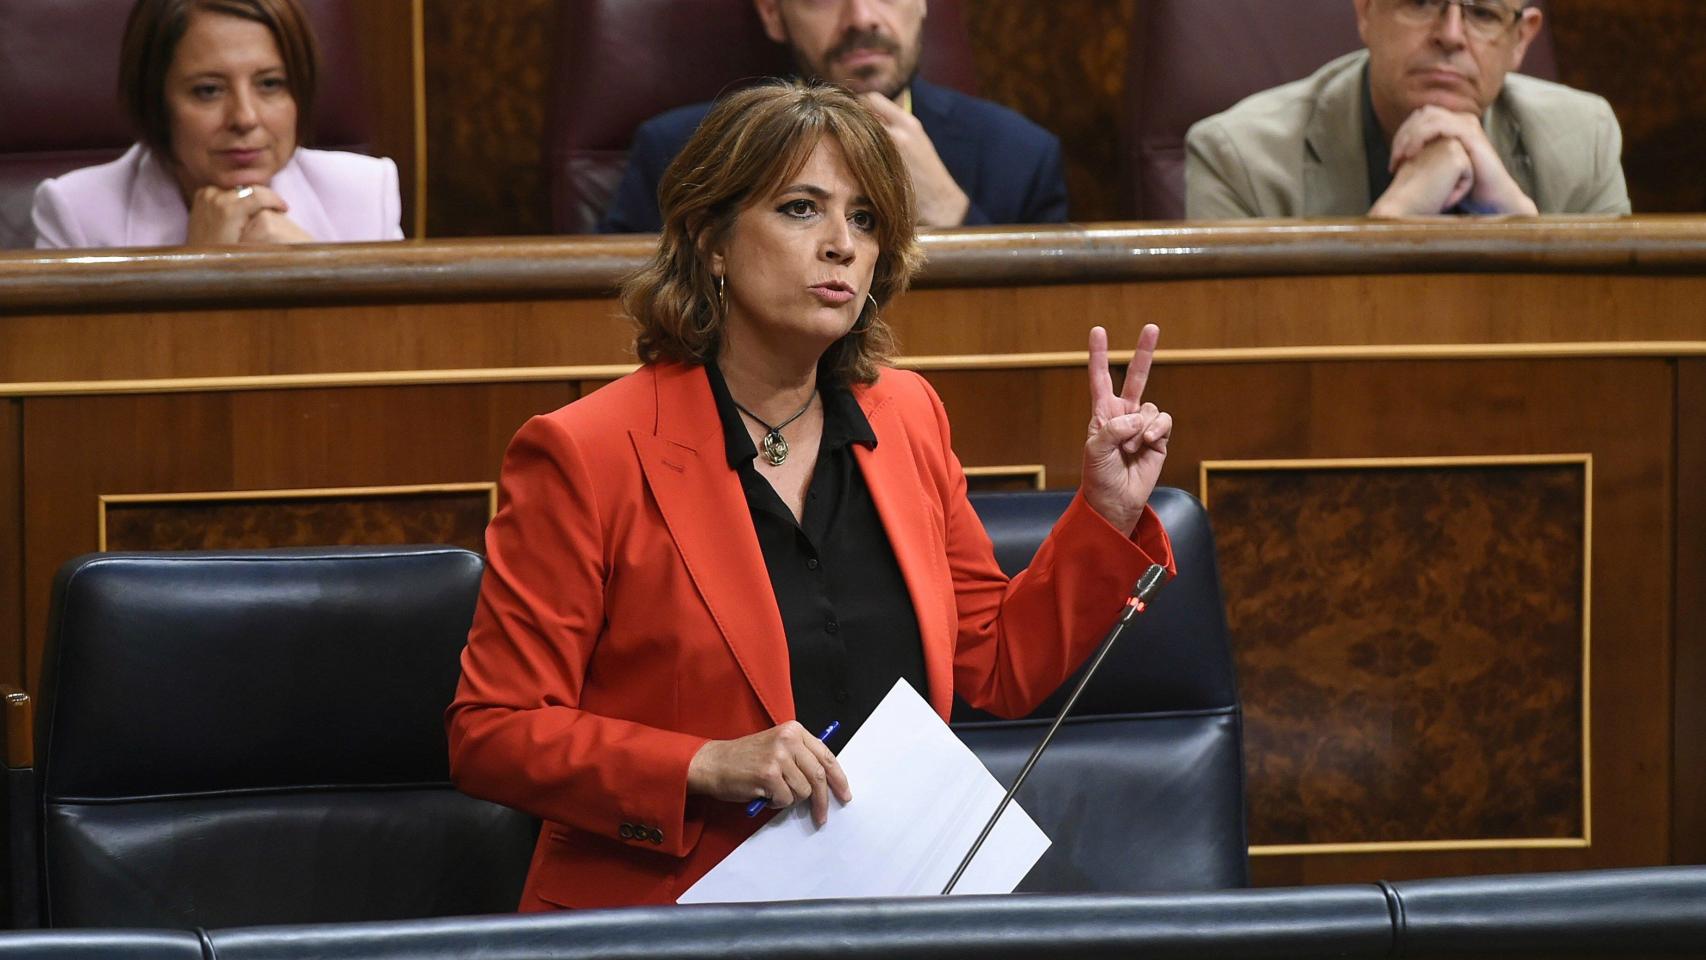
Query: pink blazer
x=134, y=201
x=626, y=617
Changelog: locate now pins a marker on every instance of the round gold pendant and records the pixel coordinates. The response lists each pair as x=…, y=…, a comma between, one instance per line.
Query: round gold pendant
x=775, y=448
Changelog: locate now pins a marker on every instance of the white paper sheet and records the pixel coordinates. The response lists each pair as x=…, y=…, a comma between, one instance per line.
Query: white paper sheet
x=920, y=797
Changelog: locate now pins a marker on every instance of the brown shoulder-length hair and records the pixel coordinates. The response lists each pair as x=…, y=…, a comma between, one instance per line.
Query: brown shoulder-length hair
x=151, y=38
x=752, y=142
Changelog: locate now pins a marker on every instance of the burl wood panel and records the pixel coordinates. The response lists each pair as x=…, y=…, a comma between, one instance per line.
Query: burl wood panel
x=1636, y=54
x=457, y=519
x=1410, y=646
x=1062, y=64
x=78, y=448
x=1620, y=411
x=488, y=66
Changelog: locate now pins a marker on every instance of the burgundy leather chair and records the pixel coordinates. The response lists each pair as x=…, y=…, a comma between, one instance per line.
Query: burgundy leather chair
x=59, y=94
x=622, y=62
x=1191, y=59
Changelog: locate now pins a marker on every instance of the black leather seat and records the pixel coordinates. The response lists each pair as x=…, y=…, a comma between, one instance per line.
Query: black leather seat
x=101, y=945
x=257, y=737
x=1609, y=912
x=1143, y=788
x=1287, y=924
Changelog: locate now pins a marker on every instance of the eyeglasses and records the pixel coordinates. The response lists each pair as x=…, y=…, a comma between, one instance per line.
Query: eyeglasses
x=1485, y=19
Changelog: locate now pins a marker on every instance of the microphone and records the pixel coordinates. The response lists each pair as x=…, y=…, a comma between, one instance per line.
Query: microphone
x=1152, y=580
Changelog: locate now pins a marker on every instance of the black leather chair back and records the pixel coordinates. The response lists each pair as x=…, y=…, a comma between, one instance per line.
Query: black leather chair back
x=257, y=737
x=1143, y=788
x=1191, y=59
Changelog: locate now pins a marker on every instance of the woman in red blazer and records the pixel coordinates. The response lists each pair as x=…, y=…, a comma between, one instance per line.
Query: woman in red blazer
x=655, y=619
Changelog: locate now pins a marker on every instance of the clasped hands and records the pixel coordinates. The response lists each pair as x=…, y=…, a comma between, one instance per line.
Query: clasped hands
x=221, y=215
x=1440, y=158
x=1123, y=453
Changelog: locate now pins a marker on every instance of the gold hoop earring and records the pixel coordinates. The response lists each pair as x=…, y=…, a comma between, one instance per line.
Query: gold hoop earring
x=722, y=302
x=869, y=319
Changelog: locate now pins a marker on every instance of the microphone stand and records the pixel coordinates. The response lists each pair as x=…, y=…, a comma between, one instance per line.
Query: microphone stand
x=1151, y=581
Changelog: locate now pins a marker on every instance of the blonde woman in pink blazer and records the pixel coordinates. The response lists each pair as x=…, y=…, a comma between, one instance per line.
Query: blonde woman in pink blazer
x=222, y=98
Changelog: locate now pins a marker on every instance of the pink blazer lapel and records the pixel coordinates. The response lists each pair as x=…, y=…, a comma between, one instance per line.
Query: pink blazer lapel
x=896, y=480
x=705, y=510
x=156, y=215
x=306, y=211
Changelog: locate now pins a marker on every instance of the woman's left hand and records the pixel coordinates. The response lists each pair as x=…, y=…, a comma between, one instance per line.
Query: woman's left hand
x=1128, y=438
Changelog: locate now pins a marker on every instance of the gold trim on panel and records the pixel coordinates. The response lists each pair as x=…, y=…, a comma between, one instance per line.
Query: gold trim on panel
x=1585, y=460
x=1037, y=473
x=303, y=493
x=1416, y=846
x=1395, y=351
x=300, y=381
x=984, y=361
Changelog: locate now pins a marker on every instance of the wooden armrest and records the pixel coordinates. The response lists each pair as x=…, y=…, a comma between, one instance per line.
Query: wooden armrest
x=18, y=717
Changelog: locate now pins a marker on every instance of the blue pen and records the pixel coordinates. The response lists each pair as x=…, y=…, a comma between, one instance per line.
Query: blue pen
x=760, y=803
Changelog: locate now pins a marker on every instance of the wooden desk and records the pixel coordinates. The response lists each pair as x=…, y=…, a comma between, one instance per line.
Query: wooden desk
x=1455, y=472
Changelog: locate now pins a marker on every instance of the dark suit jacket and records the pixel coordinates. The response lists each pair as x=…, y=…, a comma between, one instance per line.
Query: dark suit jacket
x=1007, y=165
x=625, y=618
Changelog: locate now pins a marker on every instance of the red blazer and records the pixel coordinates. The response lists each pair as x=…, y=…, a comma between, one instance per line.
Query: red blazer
x=626, y=617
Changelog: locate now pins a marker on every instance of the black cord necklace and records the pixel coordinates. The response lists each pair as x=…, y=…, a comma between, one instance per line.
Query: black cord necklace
x=775, y=445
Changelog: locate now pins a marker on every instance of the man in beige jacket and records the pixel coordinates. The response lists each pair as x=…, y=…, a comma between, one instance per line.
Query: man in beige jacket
x=1427, y=120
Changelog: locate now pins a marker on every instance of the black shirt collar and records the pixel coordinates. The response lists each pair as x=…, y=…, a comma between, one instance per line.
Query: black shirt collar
x=844, y=422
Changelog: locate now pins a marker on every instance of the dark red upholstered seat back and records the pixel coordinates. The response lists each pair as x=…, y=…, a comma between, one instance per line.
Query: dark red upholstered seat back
x=622, y=62
x=1191, y=59
x=59, y=103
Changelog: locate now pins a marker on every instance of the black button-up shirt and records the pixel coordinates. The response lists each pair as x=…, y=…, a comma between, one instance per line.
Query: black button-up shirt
x=845, y=608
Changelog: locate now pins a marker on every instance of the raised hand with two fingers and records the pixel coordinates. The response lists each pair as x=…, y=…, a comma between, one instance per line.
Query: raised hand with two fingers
x=1127, y=442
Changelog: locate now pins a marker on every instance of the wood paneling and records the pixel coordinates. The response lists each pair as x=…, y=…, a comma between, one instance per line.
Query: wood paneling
x=528, y=303
x=11, y=539
x=1060, y=63
x=1615, y=410
x=1632, y=52
x=1570, y=343
x=370, y=517
x=386, y=37
x=1409, y=642
x=488, y=67
x=79, y=448
x=1689, y=810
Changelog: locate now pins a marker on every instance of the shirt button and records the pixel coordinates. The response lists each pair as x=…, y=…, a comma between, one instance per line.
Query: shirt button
x=832, y=627
x=657, y=835
x=840, y=696
x=811, y=563
x=626, y=832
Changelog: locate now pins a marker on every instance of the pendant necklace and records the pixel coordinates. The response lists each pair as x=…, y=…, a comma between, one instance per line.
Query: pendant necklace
x=775, y=445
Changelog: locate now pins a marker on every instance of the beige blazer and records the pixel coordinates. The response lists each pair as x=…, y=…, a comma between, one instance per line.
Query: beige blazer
x=1297, y=150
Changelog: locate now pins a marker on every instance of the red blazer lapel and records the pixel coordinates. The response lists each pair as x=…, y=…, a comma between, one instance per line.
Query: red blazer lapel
x=706, y=513
x=896, y=479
